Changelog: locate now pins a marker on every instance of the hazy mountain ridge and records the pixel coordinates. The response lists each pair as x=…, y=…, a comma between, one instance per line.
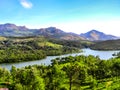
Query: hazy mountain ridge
x=9, y=29
x=95, y=35
x=9, y=26
x=12, y=30
x=52, y=32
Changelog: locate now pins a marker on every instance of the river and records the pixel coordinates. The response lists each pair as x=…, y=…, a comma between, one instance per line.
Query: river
x=102, y=54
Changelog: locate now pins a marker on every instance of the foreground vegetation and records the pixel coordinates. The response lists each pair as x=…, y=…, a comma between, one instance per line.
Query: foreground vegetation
x=66, y=73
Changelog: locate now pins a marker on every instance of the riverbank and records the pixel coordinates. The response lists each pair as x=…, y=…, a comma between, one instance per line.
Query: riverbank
x=104, y=55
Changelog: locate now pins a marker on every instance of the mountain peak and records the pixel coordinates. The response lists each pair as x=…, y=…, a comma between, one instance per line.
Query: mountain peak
x=9, y=26
x=51, y=30
x=57, y=33
x=97, y=35
x=95, y=31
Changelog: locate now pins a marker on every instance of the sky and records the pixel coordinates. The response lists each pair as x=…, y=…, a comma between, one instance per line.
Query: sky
x=78, y=16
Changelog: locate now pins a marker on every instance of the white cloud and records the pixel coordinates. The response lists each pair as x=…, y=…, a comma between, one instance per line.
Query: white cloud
x=26, y=4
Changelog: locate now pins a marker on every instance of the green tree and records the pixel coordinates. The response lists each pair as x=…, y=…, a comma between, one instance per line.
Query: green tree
x=71, y=71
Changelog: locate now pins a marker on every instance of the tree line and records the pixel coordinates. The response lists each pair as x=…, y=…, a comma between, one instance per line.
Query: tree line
x=66, y=73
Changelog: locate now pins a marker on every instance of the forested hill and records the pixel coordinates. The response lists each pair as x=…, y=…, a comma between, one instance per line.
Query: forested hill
x=107, y=45
x=17, y=49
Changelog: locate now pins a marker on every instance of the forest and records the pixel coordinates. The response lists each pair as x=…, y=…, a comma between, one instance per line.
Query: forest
x=106, y=45
x=18, y=49
x=66, y=73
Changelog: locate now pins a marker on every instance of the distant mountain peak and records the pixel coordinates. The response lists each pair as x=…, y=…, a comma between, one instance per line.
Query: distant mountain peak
x=54, y=30
x=97, y=35
x=6, y=25
x=95, y=31
x=9, y=26
x=58, y=33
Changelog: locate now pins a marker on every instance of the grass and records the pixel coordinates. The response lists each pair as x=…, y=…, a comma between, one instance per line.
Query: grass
x=43, y=44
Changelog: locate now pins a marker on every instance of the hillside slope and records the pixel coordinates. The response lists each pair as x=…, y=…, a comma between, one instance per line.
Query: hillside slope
x=107, y=45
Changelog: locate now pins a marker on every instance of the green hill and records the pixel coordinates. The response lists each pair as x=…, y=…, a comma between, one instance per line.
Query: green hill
x=17, y=49
x=107, y=45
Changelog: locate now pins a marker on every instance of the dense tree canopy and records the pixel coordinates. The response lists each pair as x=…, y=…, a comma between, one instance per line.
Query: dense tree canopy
x=31, y=48
x=66, y=73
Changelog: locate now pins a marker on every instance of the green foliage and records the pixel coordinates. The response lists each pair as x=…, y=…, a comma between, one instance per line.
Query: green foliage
x=66, y=73
x=18, y=86
x=106, y=45
x=30, y=48
x=73, y=43
x=14, y=55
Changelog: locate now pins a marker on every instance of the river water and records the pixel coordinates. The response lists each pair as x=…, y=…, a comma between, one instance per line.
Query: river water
x=102, y=54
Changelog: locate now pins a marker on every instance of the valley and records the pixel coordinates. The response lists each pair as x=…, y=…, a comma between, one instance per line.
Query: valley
x=51, y=59
x=59, y=44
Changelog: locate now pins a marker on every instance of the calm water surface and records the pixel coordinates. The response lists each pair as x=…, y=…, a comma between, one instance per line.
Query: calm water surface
x=102, y=54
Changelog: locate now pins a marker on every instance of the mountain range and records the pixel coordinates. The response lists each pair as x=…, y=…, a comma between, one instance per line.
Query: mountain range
x=12, y=30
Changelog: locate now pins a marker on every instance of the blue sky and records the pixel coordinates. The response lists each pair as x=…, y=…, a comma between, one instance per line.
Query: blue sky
x=76, y=16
